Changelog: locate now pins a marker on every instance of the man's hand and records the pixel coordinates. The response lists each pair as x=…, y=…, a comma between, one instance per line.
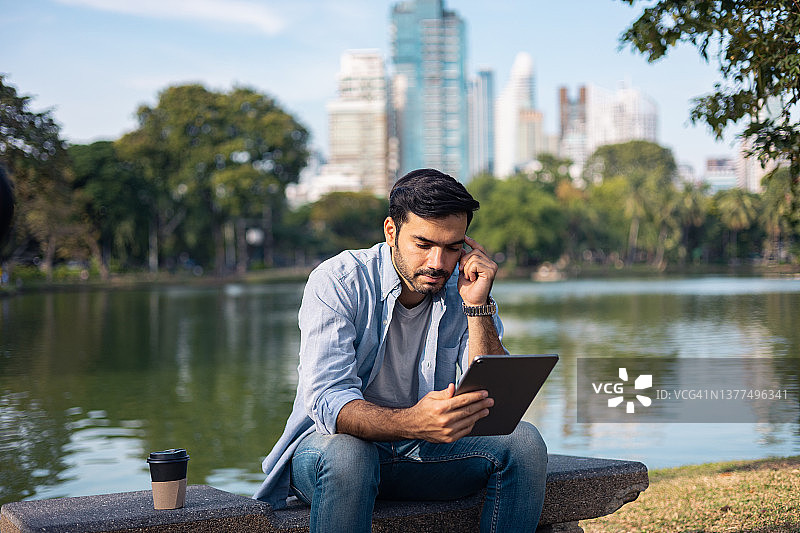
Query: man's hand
x=476, y=274
x=475, y=278
x=442, y=417
x=439, y=416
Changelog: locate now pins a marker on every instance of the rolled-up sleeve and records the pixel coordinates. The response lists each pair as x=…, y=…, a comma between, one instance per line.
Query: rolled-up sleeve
x=328, y=370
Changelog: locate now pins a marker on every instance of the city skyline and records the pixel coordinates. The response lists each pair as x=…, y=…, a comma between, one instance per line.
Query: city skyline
x=95, y=61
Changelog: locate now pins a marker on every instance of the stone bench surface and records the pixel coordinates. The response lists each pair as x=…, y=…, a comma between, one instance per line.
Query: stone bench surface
x=578, y=488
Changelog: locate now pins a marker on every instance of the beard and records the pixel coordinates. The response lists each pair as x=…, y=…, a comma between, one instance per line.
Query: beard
x=412, y=278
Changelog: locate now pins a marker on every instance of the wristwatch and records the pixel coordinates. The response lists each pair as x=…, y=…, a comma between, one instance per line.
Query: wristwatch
x=487, y=309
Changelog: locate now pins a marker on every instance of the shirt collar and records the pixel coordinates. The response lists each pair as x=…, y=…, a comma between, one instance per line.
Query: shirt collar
x=390, y=280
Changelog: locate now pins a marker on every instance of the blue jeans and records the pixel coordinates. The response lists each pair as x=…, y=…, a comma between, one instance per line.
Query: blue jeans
x=341, y=476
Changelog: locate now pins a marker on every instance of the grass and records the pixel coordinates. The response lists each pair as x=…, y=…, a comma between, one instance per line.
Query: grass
x=742, y=496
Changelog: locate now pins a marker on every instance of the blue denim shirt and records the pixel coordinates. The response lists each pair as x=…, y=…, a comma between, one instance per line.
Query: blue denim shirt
x=345, y=314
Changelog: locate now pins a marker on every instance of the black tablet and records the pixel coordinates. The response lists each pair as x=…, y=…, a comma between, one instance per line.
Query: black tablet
x=512, y=381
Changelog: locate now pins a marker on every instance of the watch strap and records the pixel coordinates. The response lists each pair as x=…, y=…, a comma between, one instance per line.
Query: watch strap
x=487, y=309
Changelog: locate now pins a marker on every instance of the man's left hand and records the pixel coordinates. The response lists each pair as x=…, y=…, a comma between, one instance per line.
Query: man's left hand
x=476, y=274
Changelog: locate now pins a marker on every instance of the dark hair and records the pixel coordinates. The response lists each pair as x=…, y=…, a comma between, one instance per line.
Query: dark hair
x=6, y=203
x=429, y=193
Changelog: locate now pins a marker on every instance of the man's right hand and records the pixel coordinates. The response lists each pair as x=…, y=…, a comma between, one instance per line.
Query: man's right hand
x=440, y=416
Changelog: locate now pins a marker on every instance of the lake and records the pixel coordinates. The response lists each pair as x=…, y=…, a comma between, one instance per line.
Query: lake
x=92, y=381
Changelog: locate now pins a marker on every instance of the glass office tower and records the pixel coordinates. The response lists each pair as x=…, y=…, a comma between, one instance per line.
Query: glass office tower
x=481, y=123
x=430, y=87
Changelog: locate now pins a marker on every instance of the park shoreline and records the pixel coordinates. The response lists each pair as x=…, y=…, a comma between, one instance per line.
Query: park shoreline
x=139, y=280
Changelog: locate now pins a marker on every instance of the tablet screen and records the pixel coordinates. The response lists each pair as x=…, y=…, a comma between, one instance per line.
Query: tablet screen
x=512, y=381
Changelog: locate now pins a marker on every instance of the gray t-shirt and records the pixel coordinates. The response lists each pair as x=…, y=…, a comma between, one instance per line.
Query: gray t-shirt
x=397, y=382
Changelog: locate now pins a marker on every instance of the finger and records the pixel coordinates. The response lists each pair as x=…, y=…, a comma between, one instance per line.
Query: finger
x=477, y=254
x=475, y=266
x=464, y=426
x=443, y=394
x=474, y=244
x=468, y=398
x=467, y=268
x=470, y=410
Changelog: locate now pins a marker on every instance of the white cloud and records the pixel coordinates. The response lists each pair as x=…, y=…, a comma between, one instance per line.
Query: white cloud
x=238, y=12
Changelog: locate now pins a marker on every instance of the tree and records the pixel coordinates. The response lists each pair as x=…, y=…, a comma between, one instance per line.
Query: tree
x=776, y=215
x=758, y=54
x=611, y=226
x=35, y=155
x=692, y=210
x=738, y=211
x=217, y=162
x=347, y=220
x=108, y=192
x=649, y=170
x=518, y=217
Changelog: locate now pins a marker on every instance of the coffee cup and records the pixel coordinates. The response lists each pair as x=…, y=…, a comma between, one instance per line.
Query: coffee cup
x=168, y=478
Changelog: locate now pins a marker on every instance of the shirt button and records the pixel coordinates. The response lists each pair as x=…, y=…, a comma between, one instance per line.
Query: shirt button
x=428, y=364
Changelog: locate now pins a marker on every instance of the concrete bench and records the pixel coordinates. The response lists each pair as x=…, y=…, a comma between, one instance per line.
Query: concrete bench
x=578, y=488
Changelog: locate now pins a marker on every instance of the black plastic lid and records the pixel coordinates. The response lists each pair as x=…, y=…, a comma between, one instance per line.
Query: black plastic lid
x=168, y=456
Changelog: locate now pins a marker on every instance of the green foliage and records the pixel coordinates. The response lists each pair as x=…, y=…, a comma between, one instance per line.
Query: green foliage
x=109, y=192
x=35, y=155
x=645, y=159
x=518, y=217
x=738, y=212
x=612, y=222
x=647, y=173
x=347, y=220
x=213, y=159
x=775, y=216
x=632, y=209
x=758, y=55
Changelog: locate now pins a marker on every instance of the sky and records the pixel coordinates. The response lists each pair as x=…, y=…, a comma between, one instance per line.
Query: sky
x=94, y=62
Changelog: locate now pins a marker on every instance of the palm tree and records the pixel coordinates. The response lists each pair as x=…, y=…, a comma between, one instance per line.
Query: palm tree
x=635, y=208
x=777, y=210
x=666, y=217
x=692, y=211
x=738, y=211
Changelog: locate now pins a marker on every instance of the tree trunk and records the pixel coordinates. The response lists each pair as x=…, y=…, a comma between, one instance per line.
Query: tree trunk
x=732, y=251
x=97, y=254
x=658, y=261
x=49, y=256
x=241, y=247
x=269, y=259
x=219, y=249
x=152, y=250
x=633, y=236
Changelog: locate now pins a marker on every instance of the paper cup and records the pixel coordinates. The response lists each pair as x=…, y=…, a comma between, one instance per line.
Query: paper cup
x=168, y=478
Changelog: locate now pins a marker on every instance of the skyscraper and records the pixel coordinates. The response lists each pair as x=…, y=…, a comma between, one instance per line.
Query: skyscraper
x=572, y=132
x=481, y=123
x=430, y=87
x=518, y=129
x=600, y=116
x=358, y=121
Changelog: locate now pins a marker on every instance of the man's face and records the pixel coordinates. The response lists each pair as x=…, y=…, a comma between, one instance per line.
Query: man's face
x=425, y=252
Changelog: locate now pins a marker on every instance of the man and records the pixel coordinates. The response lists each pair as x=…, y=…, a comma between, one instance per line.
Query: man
x=384, y=332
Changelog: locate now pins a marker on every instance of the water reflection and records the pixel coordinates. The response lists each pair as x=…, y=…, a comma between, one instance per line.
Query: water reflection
x=661, y=320
x=90, y=382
